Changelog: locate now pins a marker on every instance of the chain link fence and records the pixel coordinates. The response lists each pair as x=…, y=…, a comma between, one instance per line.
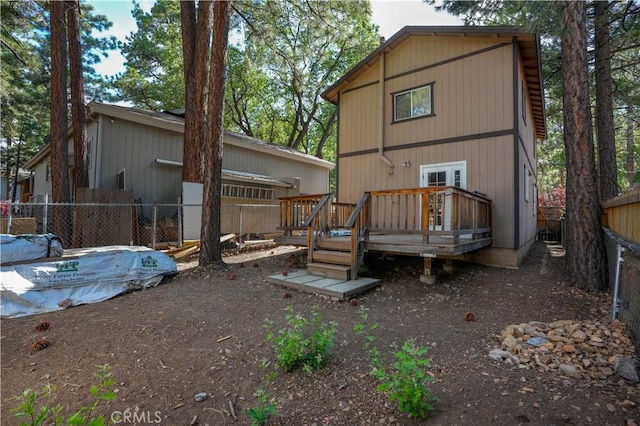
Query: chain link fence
x=623, y=258
x=153, y=225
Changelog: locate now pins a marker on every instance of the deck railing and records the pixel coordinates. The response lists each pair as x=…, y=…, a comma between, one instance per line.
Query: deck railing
x=294, y=211
x=441, y=211
x=445, y=211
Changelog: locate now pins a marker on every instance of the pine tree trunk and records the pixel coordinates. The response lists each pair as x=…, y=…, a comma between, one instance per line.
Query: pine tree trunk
x=210, y=250
x=585, y=260
x=189, y=147
x=58, y=124
x=607, y=170
x=78, y=113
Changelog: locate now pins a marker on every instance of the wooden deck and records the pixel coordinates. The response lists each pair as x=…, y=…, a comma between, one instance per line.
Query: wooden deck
x=406, y=244
x=427, y=222
x=302, y=280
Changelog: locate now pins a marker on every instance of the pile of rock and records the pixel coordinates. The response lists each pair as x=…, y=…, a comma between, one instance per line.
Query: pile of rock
x=592, y=349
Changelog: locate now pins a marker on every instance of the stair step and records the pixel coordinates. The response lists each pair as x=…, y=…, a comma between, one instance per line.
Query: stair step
x=343, y=244
x=335, y=257
x=338, y=272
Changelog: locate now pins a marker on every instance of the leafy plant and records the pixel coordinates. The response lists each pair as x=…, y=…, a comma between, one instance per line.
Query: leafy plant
x=41, y=408
x=408, y=383
x=260, y=415
x=303, y=342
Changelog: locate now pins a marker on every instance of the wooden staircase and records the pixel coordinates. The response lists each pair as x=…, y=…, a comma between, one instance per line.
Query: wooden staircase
x=331, y=258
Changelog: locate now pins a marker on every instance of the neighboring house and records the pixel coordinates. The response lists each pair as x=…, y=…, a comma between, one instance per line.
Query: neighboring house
x=448, y=106
x=136, y=149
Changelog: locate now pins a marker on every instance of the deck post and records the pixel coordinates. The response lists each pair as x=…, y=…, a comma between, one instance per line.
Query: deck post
x=449, y=266
x=428, y=276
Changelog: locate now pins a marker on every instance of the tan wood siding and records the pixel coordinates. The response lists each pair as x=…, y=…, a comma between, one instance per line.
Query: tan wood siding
x=471, y=96
x=358, y=110
x=489, y=170
x=527, y=156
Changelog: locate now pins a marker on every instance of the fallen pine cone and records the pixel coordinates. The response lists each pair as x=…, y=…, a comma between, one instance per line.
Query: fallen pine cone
x=285, y=273
x=353, y=302
x=469, y=317
x=42, y=326
x=287, y=296
x=40, y=344
x=232, y=277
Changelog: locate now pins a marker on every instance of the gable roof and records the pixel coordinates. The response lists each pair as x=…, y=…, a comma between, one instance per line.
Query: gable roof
x=175, y=122
x=528, y=43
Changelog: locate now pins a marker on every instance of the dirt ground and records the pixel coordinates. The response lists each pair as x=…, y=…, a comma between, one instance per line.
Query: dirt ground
x=203, y=331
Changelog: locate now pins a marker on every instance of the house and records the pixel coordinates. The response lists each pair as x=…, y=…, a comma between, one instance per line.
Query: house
x=130, y=148
x=437, y=127
x=141, y=151
x=457, y=106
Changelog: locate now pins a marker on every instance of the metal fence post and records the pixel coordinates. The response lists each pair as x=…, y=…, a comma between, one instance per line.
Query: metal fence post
x=241, y=222
x=180, y=241
x=616, y=283
x=45, y=213
x=154, y=225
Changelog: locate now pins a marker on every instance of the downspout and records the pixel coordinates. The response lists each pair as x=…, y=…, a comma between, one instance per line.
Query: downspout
x=384, y=159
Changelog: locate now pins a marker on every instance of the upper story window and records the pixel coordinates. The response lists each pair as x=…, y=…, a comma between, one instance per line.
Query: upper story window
x=47, y=171
x=413, y=103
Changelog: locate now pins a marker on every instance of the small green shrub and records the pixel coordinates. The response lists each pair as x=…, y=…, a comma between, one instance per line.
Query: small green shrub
x=41, y=408
x=303, y=342
x=408, y=383
x=260, y=415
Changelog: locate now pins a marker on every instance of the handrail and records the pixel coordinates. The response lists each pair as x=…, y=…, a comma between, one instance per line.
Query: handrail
x=316, y=210
x=359, y=231
x=317, y=223
x=356, y=212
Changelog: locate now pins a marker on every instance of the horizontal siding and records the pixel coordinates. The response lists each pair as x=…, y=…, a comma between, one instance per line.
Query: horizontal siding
x=489, y=170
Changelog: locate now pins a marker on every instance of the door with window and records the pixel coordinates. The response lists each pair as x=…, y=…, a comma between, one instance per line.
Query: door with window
x=442, y=174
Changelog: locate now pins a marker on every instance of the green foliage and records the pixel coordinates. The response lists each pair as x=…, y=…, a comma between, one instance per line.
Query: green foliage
x=408, y=383
x=40, y=408
x=303, y=342
x=260, y=414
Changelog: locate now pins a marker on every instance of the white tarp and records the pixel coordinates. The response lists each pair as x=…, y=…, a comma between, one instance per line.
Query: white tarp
x=17, y=248
x=82, y=276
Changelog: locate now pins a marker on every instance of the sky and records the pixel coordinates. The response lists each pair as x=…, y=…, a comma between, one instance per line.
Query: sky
x=389, y=15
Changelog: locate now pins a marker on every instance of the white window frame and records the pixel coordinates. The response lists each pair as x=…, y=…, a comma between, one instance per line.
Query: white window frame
x=450, y=168
x=415, y=111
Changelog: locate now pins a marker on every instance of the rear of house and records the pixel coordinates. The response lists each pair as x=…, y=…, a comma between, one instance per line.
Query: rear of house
x=448, y=106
